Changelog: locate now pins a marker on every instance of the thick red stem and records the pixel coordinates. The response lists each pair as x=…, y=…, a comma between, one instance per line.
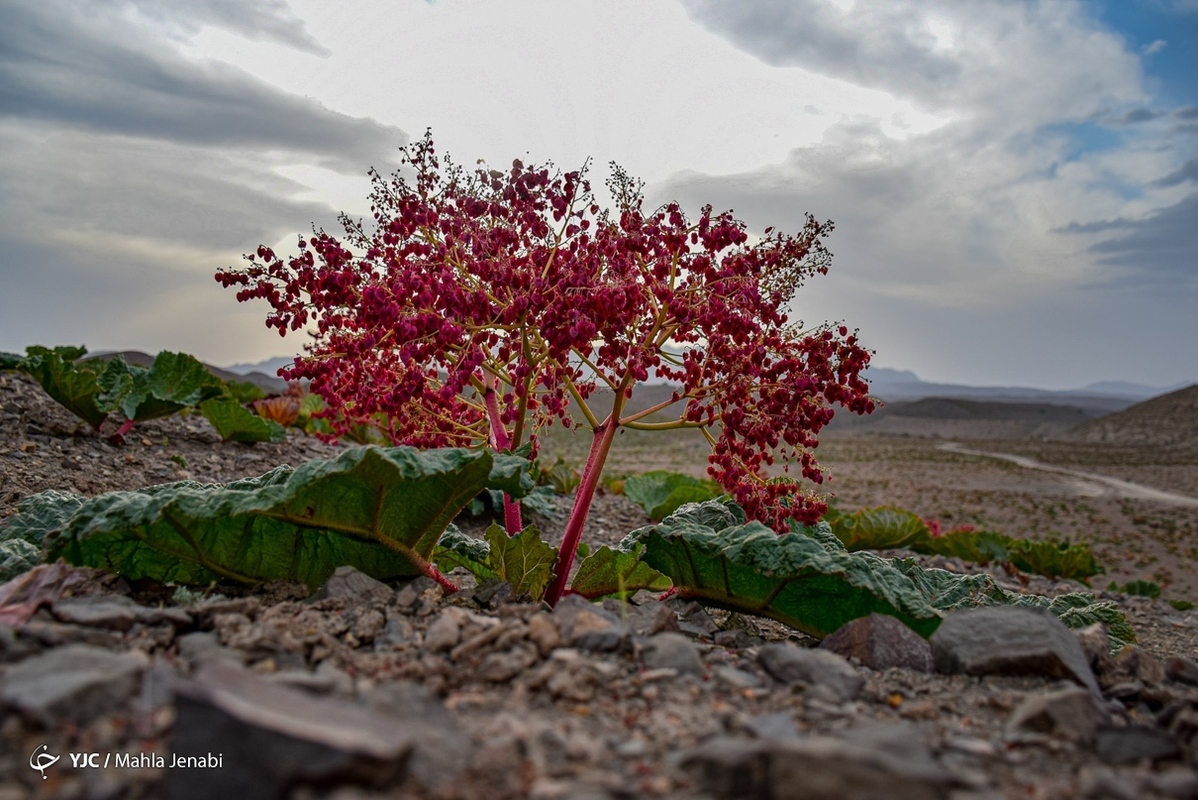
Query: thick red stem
x=600, y=446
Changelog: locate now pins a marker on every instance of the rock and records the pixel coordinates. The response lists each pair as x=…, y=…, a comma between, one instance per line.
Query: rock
x=272, y=739
x=644, y=620
x=419, y=596
x=95, y=613
x=819, y=768
x=494, y=593
x=825, y=672
x=1096, y=644
x=1103, y=783
x=672, y=651
x=881, y=642
x=692, y=618
x=204, y=646
x=443, y=750
x=586, y=626
x=1007, y=640
x=1132, y=664
x=779, y=725
x=1134, y=743
x=13, y=647
x=1182, y=670
x=75, y=683
x=446, y=630
x=543, y=632
x=501, y=667
x=1071, y=712
x=353, y=584
x=737, y=678
x=325, y=679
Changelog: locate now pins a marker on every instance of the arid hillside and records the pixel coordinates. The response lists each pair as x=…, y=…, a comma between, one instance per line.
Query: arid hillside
x=1170, y=420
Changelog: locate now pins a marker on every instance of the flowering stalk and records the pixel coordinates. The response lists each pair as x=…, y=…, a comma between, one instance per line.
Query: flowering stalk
x=482, y=306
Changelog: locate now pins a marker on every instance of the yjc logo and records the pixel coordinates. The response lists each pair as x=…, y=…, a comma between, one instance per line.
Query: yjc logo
x=42, y=761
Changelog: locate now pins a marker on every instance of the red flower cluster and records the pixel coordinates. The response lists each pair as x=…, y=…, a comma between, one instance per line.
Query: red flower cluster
x=481, y=304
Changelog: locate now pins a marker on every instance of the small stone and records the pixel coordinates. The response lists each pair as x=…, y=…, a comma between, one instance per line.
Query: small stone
x=693, y=619
x=353, y=584
x=1096, y=644
x=446, y=630
x=596, y=632
x=419, y=596
x=827, y=671
x=1135, y=663
x=75, y=683
x=270, y=738
x=1182, y=670
x=202, y=646
x=494, y=593
x=1134, y=743
x=644, y=620
x=1178, y=783
x=368, y=625
x=543, y=633
x=1007, y=640
x=737, y=678
x=1071, y=712
x=1102, y=783
x=503, y=666
x=93, y=613
x=779, y=725
x=672, y=651
x=881, y=642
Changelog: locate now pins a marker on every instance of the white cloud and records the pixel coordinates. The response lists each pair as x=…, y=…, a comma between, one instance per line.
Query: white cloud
x=1155, y=47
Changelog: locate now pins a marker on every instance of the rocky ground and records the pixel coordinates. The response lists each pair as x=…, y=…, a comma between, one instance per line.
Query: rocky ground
x=364, y=690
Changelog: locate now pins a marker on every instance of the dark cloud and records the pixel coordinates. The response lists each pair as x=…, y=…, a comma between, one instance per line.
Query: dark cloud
x=1160, y=247
x=260, y=20
x=1186, y=172
x=887, y=48
x=102, y=74
x=1137, y=116
x=1189, y=112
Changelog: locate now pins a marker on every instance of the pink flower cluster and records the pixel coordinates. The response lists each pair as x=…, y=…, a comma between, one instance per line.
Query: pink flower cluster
x=481, y=285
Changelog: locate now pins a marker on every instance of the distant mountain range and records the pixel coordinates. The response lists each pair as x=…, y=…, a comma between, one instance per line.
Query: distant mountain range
x=893, y=384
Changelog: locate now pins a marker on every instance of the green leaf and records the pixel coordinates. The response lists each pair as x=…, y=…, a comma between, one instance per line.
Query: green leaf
x=456, y=549
x=173, y=382
x=522, y=560
x=16, y=558
x=1055, y=559
x=882, y=528
x=73, y=387
x=809, y=582
x=948, y=591
x=381, y=510
x=40, y=514
x=976, y=547
x=617, y=572
x=11, y=361
x=246, y=392
x=236, y=423
x=661, y=493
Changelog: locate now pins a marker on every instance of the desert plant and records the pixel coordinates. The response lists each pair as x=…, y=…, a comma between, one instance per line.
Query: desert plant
x=479, y=305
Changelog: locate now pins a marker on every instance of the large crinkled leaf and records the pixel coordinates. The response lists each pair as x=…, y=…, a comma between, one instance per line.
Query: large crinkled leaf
x=236, y=423
x=809, y=582
x=876, y=528
x=72, y=386
x=660, y=493
x=976, y=547
x=948, y=591
x=522, y=560
x=17, y=557
x=381, y=510
x=618, y=572
x=1055, y=559
x=11, y=361
x=173, y=382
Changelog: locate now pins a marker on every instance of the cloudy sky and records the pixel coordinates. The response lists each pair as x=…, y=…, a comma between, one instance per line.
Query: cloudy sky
x=1014, y=182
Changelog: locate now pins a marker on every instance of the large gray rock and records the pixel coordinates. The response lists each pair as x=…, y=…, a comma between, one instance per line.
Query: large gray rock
x=353, y=584
x=881, y=642
x=271, y=738
x=443, y=750
x=863, y=765
x=75, y=683
x=1070, y=713
x=672, y=651
x=1008, y=640
x=824, y=672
